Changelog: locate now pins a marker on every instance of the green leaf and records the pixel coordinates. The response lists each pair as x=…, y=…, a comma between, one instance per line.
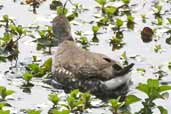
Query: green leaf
x=3, y=59
x=84, y=40
x=1, y=105
x=115, y=103
x=158, y=7
x=55, y=111
x=34, y=67
x=110, y=10
x=34, y=58
x=124, y=56
x=72, y=16
x=141, y=70
x=101, y=2
x=5, y=18
x=164, y=88
x=143, y=87
x=95, y=29
x=131, y=99
x=3, y=92
x=71, y=101
x=33, y=111
x=47, y=65
x=153, y=83
x=169, y=20
x=157, y=48
x=159, y=21
x=61, y=10
x=162, y=110
x=4, y=112
x=130, y=18
x=119, y=22
x=53, y=98
x=7, y=37
x=27, y=76
x=9, y=92
x=126, y=1
x=169, y=65
x=75, y=93
x=86, y=99
x=44, y=42
x=165, y=95
x=116, y=42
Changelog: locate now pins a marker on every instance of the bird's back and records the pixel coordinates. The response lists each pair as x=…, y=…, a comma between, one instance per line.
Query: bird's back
x=83, y=64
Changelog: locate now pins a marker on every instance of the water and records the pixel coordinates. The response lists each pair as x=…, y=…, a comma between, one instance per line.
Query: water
x=38, y=98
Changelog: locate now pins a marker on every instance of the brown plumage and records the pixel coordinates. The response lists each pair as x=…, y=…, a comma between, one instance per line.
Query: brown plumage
x=83, y=64
x=75, y=67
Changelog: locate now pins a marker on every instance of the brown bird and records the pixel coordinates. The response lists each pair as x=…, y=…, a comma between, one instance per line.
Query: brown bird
x=75, y=67
x=147, y=34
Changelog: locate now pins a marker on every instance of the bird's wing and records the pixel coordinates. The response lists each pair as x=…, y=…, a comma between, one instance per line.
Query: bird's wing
x=84, y=64
x=96, y=66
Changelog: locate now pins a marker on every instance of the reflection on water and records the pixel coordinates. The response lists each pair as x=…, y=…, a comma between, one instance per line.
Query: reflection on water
x=38, y=98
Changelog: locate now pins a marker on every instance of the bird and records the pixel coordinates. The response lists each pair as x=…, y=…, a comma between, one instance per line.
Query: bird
x=147, y=34
x=77, y=68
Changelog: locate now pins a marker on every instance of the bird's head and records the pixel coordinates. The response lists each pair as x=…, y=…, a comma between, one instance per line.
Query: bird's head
x=61, y=29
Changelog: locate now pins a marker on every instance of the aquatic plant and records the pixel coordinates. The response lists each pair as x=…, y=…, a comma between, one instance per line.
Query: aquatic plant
x=77, y=101
x=4, y=92
x=157, y=13
x=116, y=43
x=27, y=76
x=53, y=97
x=117, y=104
x=82, y=39
x=9, y=41
x=4, y=111
x=95, y=30
x=153, y=91
x=36, y=70
x=77, y=8
x=6, y=22
x=46, y=39
x=54, y=4
x=33, y=111
x=55, y=111
x=158, y=48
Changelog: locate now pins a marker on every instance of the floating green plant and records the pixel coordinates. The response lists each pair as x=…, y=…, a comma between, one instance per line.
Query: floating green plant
x=4, y=92
x=54, y=4
x=27, y=76
x=39, y=70
x=46, y=39
x=53, y=97
x=158, y=48
x=6, y=22
x=55, y=111
x=154, y=91
x=117, y=105
x=95, y=30
x=33, y=111
x=116, y=43
x=78, y=101
x=141, y=71
x=9, y=41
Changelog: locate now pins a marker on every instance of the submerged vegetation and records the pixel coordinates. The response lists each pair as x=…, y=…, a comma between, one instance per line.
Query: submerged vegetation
x=113, y=17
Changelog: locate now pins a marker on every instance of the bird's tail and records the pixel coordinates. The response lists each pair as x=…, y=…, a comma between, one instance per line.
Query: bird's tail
x=124, y=70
